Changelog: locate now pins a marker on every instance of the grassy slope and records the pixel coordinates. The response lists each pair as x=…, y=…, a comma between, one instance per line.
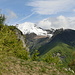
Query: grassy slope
x=12, y=56
x=65, y=52
x=15, y=66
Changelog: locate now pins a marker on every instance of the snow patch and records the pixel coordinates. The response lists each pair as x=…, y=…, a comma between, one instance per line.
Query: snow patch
x=29, y=27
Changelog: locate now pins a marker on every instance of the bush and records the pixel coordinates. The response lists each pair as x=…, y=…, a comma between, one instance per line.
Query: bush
x=50, y=59
x=35, y=56
x=72, y=65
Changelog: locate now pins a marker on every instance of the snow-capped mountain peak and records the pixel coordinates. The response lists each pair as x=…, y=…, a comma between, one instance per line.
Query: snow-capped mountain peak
x=29, y=27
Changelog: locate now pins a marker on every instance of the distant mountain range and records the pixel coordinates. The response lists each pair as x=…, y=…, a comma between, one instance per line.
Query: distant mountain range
x=59, y=42
x=27, y=50
x=35, y=36
x=29, y=27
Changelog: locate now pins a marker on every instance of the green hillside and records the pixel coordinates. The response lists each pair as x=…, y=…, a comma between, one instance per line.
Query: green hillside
x=61, y=45
x=9, y=43
x=16, y=60
x=63, y=51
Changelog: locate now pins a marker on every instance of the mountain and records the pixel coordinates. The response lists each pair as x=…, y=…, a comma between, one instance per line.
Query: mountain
x=15, y=58
x=35, y=36
x=66, y=36
x=60, y=41
x=35, y=41
x=29, y=27
x=61, y=44
x=45, y=40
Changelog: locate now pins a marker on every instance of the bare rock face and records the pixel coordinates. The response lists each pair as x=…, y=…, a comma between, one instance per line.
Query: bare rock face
x=34, y=35
x=21, y=37
x=34, y=41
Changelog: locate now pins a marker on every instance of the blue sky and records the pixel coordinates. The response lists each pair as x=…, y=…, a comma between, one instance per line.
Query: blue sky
x=19, y=11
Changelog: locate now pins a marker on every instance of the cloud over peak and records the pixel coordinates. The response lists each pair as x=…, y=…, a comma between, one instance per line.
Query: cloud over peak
x=58, y=22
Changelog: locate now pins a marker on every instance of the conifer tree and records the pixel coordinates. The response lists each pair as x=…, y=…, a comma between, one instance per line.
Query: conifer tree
x=2, y=19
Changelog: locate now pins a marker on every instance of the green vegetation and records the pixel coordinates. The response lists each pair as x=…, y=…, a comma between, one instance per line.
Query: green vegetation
x=15, y=60
x=10, y=44
x=2, y=19
x=72, y=63
x=35, y=56
x=63, y=51
x=50, y=59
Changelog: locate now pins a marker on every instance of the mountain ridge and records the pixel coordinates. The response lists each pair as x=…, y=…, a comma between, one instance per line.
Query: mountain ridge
x=29, y=27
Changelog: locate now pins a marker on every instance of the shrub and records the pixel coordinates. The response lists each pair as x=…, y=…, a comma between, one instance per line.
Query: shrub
x=50, y=59
x=35, y=56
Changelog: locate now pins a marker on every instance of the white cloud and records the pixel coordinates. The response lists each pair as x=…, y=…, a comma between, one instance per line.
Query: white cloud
x=11, y=14
x=71, y=22
x=47, y=7
x=46, y=24
x=25, y=18
x=74, y=10
x=58, y=22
